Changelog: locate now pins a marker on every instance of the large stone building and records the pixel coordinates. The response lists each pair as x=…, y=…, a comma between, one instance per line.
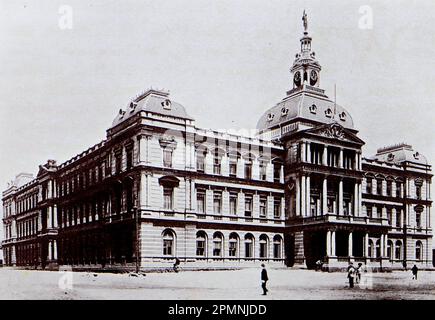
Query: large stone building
x=158, y=188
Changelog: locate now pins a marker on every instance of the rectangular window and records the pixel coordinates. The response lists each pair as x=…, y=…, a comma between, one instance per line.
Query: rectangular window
x=217, y=248
x=263, y=170
x=118, y=164
x=389, y=188
x=369, y=185
x=167, y=198
x=277, y=172
x=129, y=156
x=167, y=158
x=200, y=246
x=233, y=168
x=217, y=202
x=398, y=189
x=167, y=247
x=248, y=206
x=418, y=192
x=233, y=204
x=418, y=219
x=200, y=201
x=398, y=219
x=370, y=211
x=277, y=208
x=217, y=165
x=389, y=215
x=379, y=212
x=248, y=249
x=248, y=170
x=263, y=207
x=379, y=186
x=232, y=248
x=200, y=163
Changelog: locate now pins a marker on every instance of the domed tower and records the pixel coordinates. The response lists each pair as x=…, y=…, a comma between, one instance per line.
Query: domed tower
x=323, y=172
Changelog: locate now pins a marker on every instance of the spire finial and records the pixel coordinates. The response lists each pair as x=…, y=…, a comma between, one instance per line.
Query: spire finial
x=305, y=21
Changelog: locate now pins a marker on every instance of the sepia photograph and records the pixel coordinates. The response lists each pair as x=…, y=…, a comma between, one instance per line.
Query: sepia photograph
x=221, y=151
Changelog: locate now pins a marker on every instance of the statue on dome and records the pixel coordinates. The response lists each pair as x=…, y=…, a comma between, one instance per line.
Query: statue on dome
x=305, y=20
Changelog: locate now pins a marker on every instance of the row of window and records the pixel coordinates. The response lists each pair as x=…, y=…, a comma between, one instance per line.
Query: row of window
x=233, y=245
x=389, y=187
x=27, y=227
x=201, y=201
x=375, y=250
x=29, y=202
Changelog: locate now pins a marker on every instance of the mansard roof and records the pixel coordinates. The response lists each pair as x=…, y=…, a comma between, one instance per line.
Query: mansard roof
x=154, y=101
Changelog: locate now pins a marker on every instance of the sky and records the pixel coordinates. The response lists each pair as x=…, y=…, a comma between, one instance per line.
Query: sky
x=226, y=61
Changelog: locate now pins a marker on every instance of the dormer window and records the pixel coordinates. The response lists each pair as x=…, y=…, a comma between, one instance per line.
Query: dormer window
x=313, y=109
x=416, y=155
x=328, y=113
x=342, y=116
x=133, y=106
x=284, y=112
x=270, y=116
x=121, y=113
x=166, y=104
x=390, y=157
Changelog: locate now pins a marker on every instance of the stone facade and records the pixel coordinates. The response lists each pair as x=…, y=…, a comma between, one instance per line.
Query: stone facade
x=158, y=188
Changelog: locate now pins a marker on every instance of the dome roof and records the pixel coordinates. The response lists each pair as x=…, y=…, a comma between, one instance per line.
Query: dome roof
x=399, y=153
x=153, y=101
x=314, y=106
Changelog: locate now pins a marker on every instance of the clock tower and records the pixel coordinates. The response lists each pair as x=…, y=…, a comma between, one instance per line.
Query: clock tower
x=305, y=69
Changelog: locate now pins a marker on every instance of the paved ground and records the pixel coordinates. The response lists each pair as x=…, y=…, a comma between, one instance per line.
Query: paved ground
x=221, y=285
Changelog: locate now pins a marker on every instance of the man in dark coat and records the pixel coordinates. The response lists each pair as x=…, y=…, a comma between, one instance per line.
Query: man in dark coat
x=264, y=279
x=414, y=272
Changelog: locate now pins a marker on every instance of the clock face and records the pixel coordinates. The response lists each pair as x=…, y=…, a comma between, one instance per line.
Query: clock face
x=313, y=77
x=297, y=79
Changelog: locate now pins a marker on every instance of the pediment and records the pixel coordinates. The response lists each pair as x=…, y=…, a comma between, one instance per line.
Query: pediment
x=335, y=131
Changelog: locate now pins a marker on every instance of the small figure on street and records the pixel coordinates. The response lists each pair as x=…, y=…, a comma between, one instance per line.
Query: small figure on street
x=351, y=274
x=176, y=264
x=319, y=264
x=359, y=270
x=264, y=279
x=414, y=272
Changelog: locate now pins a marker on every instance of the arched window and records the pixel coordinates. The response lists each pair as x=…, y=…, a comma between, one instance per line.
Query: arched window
x=371, y=249
x=378, y=248
x=418, y=250
x=233, y=245
x=389, y=249
x=249, y=245
x=168, y=242
x=218, y=244
x=201, y=243
x=277, y=246
x=398, y=250
x=264, y=244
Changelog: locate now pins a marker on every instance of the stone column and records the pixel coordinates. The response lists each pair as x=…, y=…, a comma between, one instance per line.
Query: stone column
x=381, y=245
x=350, y=245
x=340, y=197
x=333, y=244
x=324, y=155
x=308, y=201
x=55, y=216
x=325, y=196
x=281, y=174
x=385, y=244
x=303, y=153
x=366, y=245
x=303, y=197
x=144, y=190
x=298, y=196
x=54, y=250
x=328, y=243
x=49, y=218
x=340, y=158
x=308, y=152
x=299, y=252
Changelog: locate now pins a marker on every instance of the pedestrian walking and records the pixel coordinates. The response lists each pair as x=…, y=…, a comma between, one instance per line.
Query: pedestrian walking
x=264, y=279
x=414, y=272
x=176, y=264
x=351, y=274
